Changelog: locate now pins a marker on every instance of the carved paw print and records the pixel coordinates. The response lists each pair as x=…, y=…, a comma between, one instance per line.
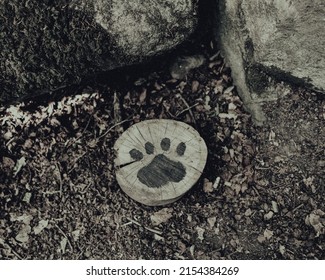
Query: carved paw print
x=161, y=170
x=158, y=161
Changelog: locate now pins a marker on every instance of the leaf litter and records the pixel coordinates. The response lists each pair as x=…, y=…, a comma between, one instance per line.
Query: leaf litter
x=261, y=195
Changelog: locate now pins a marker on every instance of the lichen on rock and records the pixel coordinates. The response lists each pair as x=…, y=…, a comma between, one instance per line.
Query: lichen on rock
x=145, y=28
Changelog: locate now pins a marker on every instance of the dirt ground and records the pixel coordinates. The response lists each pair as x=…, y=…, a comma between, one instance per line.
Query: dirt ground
x=261, y=195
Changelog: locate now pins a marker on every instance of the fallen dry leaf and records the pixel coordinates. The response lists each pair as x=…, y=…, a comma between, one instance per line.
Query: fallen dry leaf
x=200, y=233
x=316, y=219
x=19, y=165
x=42, y=224
x=207, y=186
x=212, y=221
x=23, y=234
x=268, y=234
x=161, y=216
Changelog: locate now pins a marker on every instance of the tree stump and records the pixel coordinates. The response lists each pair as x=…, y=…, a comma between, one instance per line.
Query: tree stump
x=158, y=161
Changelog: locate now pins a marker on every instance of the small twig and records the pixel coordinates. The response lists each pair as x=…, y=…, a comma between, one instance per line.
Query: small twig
x=262, y=168
x=299, y=206
x=213, y=57
x=256, y=191
x=78, y=138
x=117, y=113
x=16, y=254
x=116, y=107
x=60, y=178
x=216, y=183
x=138, y=224
x=76, y=160
x=153, y=230
x=50, y=193
x=65, y=236
x=134, y=222
x=85, y=189
x=222, y=66
x=188, y=107
x=13, y=251
x=112, y=127
x=126, y=224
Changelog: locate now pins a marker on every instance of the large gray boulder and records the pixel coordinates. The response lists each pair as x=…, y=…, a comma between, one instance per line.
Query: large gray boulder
x=45, y=45
x=279, y=39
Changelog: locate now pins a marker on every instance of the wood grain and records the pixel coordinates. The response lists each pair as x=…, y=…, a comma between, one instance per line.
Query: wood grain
x=158, y=161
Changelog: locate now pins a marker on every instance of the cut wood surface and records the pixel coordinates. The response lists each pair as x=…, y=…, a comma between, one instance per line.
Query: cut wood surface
x=158, y=160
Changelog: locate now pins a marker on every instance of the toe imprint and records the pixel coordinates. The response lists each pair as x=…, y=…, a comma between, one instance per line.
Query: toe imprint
x=136, y=154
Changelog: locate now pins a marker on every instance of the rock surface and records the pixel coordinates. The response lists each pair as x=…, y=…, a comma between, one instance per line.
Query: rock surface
x=281, y=39
x=45, y=46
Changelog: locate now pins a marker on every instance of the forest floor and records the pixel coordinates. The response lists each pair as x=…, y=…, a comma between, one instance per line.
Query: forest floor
x=261, y=195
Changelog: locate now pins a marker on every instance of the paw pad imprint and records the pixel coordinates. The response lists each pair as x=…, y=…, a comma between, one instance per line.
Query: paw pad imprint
x=157, y=161
x=161, y=170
